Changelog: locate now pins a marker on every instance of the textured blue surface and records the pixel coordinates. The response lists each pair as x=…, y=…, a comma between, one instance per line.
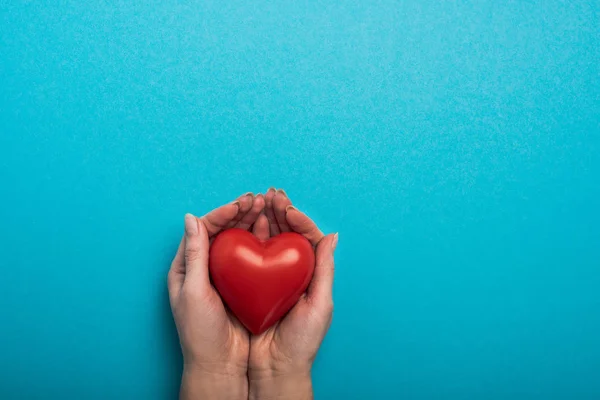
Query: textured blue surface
x=454, y=145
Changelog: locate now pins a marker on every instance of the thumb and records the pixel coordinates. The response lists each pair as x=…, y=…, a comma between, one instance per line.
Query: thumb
x=321, y=286
x=196, y=250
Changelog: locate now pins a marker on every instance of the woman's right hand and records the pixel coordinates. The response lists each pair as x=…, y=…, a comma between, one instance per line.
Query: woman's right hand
x=214, y=343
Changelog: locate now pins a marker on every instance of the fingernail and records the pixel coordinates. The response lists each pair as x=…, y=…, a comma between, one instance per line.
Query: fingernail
x=290, y=207
x=191, y=225
x=334, y=241
x=236, y=204
x=271, y=189
x=282, y=192
x=249, y=194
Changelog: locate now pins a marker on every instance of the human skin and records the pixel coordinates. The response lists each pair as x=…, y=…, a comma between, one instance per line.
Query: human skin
x=280, y=361
x=214, y=344
x=221, y=359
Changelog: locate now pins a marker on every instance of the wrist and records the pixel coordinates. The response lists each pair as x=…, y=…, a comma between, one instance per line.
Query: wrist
x=278, y=385
x=198, y=382
x=227, y=368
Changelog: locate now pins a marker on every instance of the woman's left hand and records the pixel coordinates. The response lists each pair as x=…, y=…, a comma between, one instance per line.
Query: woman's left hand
x=281, y=358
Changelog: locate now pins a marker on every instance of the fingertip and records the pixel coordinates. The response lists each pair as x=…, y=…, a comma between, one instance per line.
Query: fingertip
x=280, y=201
x=249, y=217
x=262, y=218
x=191, y=225
x=293, y=216
x=261, y=227
x=231, y=210
x=269, y=198
x=326, y=246
x=246, y=202
x=257, y=205
x=259, y=200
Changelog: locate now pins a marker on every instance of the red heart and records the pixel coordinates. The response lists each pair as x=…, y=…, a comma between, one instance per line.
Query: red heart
x=260, y=280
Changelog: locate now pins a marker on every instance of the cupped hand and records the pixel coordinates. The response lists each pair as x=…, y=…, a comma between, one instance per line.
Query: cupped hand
x=215, y=345
x=281, y=358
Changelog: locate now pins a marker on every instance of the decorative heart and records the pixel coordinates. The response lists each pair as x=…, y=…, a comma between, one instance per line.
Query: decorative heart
x=260, y=280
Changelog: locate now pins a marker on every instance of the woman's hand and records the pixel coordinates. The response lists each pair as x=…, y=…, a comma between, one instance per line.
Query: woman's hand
x=214, y=344
x=281, y=358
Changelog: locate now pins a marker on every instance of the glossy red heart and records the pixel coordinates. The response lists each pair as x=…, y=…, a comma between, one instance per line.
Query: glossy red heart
x=260, y=280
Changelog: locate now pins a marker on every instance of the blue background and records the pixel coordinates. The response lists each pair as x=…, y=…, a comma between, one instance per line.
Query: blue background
x=454, y=145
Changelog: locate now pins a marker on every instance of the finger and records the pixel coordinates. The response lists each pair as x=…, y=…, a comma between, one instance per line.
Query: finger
x=176, y=272
x=261, y=227
x=196, y=251
x=252, y=215
x=303, y=225
x=320, y=288
x=246, y=201
x=219, y=218
x=280, y=202
x=270, y=212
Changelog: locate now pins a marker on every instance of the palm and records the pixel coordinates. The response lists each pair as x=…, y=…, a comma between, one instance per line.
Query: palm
x=230, y=332
x=289, y=339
